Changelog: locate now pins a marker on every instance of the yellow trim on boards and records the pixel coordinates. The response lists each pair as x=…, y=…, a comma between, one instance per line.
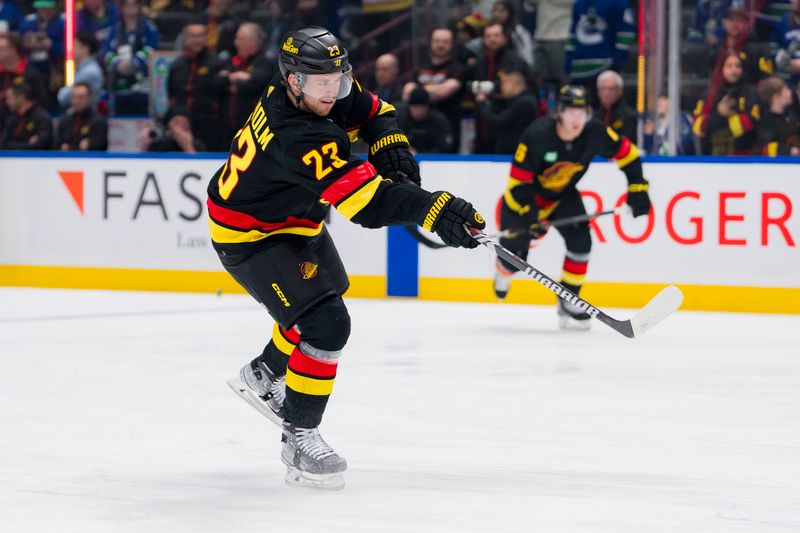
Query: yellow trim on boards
x=523, y=291
x=630, y=295
x=125, y=279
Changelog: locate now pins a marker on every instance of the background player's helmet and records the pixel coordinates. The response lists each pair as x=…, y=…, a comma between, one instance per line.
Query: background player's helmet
x=573, y=96
x=315, y=50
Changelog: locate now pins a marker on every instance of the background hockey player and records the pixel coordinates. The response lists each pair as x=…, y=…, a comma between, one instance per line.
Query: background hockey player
x=553, y=155
x=288, y=165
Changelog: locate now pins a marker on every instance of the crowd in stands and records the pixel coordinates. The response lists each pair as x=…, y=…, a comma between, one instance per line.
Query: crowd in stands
x=498, y=64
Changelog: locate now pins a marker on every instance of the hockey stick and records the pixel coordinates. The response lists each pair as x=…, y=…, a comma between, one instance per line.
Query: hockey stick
x=510, y=233
x=413, y=230
x=657, y=309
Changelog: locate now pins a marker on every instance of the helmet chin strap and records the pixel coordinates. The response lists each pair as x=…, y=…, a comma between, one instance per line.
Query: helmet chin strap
x=300, y=82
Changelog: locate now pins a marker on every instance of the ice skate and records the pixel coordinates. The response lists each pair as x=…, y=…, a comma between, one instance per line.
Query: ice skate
x=309, y=461
x=572, y=318
x=502, y=283
x=258, y=386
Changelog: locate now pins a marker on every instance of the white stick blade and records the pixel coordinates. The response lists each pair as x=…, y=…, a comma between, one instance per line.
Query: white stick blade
x=660, y=307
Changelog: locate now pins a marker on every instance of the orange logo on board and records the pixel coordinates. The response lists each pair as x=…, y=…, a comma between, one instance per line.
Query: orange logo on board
x=73, y=181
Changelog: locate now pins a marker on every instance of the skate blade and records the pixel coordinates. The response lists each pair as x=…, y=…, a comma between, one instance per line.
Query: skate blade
x=568, y=323
x=299, y=478
x=244, y=392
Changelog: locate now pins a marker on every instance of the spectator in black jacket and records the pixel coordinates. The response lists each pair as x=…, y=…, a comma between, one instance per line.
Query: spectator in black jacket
x=442, y=76
x=248, y=74
x=497, y=55
x=82, y=128
x=194, y=83
x=776, y=132
x=509, y=112
x=387, y=86
x=29, y=126
x=178, y=136
x=16, y=69
x=428, y=130
x=613, y=110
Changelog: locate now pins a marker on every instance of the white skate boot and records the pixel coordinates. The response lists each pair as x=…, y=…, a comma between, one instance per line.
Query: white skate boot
x=572, y=318
x=309, y=460
x=258, y=386
x=502, y=284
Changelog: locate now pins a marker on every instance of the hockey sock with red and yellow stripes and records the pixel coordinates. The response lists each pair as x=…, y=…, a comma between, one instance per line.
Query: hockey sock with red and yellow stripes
x=574, y=273
x=279, y=349
x=309, y=383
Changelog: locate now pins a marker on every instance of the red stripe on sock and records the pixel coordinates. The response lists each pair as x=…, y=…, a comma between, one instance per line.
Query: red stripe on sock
x=574, y=267
x=290, y=335
x=305, y=364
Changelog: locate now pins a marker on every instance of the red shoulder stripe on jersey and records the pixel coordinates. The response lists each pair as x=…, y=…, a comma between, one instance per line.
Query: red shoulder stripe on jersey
x=243, y=221
x=575, y=267
x=376, y=104
x=521, y=174
x=624, y=149
x=308, y=366
x=348, y=183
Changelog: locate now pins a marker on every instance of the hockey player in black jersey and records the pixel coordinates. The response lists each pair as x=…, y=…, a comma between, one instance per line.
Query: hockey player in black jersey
x=552, y=156
x=287, y=166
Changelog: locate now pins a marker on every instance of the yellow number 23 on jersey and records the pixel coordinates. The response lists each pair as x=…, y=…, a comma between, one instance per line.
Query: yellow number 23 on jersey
x=316, y=158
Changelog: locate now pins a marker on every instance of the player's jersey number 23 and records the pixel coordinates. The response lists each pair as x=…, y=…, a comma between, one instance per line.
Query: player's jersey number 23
x=237, y=163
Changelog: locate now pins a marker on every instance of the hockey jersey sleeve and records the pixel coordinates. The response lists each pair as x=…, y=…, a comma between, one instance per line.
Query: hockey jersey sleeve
x=322, y=163
x=519, y=192
x=375, y=121
x=619, y=148
x=369, y=117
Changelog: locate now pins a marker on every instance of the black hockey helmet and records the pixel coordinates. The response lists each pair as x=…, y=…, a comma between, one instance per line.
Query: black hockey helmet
x=312, y=50
x=573, y=96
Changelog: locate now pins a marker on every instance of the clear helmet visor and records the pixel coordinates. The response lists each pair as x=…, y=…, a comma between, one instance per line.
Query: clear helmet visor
x=574, y=117
x=327, y=87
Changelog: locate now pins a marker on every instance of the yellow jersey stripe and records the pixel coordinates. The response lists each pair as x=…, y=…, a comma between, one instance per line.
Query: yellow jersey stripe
x=358, y=200
x=772, y=149
x=735, y=123
x=385, y=108
x=697, y=127
x=633, y=155
x=509, y=198
x=306, y=385
x=225, y=235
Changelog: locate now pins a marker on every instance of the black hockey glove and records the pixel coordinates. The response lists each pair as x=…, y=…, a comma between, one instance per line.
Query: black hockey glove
x=446, y=215
x=523, y=195
x=638, y=198
x=392, y=159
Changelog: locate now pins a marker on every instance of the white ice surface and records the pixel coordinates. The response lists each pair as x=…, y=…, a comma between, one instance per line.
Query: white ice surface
x=115, y=417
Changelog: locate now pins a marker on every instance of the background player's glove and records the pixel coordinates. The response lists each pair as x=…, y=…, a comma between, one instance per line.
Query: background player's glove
x=638, y=199
x=446, y=215
x=523, y=196
x=391, y=157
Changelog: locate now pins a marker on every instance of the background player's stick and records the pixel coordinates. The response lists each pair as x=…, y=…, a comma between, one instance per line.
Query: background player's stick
x=660, y=307
x=510, y=233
